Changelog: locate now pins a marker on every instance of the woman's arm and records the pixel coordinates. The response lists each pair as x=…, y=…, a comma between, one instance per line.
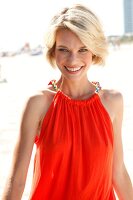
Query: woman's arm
x=22, y=154
x=121, y=179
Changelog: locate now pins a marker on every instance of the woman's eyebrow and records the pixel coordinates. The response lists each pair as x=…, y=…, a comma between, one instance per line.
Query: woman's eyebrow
x=63, y=46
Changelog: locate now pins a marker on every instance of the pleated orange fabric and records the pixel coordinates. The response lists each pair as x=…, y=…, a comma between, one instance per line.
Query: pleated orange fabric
x=74, y=153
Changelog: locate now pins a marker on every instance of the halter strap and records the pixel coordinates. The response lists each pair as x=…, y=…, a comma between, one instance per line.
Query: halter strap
x=95, y=83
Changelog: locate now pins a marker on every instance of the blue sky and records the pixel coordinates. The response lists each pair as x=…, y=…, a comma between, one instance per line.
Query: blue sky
x=26, y=20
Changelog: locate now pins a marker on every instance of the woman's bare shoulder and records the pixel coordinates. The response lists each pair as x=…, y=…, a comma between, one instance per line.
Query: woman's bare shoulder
x=112, y=95
x=112, y=101
x=40, y=101
x=41, y=97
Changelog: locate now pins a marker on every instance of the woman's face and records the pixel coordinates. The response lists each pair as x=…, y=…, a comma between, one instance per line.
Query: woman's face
x=72, y=57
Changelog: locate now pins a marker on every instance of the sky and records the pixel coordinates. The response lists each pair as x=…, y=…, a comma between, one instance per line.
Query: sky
x=26, y=20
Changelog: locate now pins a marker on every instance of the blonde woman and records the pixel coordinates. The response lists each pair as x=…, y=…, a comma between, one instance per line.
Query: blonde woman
x=75, y=124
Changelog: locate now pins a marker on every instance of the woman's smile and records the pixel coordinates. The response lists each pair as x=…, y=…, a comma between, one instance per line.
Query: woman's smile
x=73, y=69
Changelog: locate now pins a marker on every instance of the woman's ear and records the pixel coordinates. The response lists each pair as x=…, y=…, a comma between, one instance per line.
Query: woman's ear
x=53, y=51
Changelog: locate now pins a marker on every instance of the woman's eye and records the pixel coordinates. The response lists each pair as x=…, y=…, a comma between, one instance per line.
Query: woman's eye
x=63, y=50
x=83, y=50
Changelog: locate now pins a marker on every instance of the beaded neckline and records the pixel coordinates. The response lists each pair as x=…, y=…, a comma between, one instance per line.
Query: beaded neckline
x=95, y=83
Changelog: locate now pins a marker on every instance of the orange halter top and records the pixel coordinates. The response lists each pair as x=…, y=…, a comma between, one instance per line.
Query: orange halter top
x=74, y=153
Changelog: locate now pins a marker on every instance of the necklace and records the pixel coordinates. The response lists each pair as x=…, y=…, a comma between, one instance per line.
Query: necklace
x=95, y=83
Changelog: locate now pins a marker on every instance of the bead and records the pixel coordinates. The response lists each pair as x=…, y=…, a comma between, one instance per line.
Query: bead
x=53, y=83
x=97, y=85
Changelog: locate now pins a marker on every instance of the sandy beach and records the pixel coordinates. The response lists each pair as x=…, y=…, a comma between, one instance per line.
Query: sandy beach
x=26, y=75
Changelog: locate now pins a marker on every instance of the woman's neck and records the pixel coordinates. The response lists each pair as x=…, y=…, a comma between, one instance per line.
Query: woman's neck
x=76, y=88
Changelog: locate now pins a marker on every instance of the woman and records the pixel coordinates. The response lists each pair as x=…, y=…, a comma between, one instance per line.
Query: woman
x=75, y=124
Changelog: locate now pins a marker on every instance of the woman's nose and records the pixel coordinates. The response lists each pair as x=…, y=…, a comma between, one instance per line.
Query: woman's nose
x=73, y=58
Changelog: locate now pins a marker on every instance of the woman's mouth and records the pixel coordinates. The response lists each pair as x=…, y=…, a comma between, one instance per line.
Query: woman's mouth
x=73, y=69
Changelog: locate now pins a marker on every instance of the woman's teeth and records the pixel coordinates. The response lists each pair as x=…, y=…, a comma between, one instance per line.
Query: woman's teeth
x=73, y=69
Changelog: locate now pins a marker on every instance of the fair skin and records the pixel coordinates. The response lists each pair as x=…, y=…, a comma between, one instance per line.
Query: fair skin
x=73, y=60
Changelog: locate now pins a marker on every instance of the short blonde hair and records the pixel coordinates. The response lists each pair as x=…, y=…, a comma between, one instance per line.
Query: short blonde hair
x=84, y=23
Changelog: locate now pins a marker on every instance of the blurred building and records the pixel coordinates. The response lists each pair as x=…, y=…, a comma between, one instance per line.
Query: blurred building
x=128, y=16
